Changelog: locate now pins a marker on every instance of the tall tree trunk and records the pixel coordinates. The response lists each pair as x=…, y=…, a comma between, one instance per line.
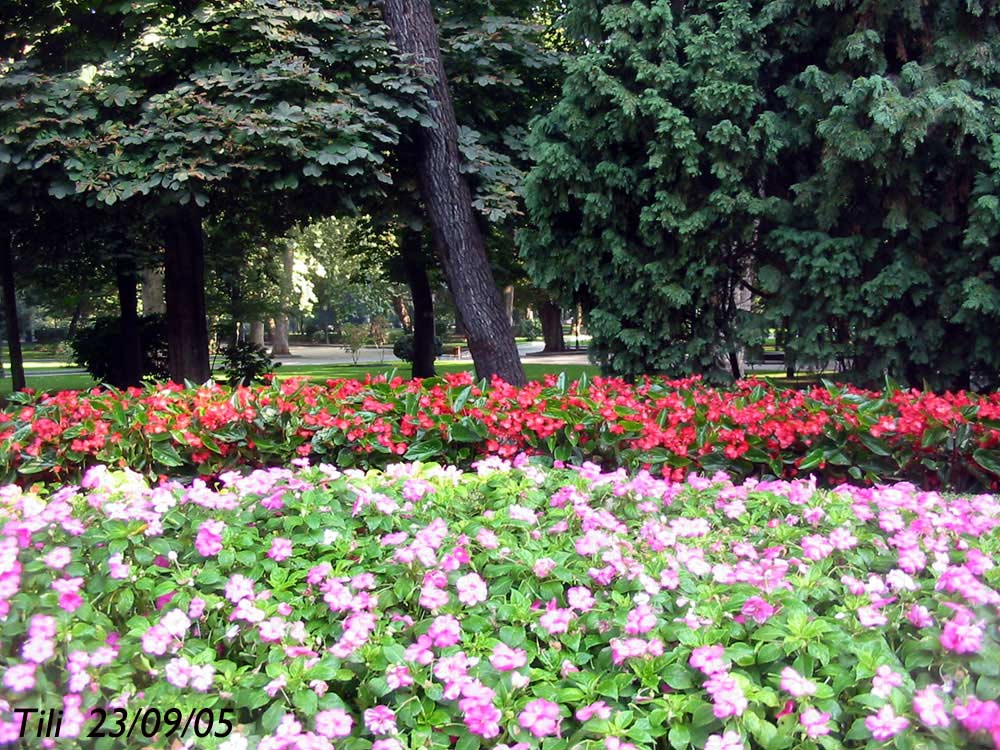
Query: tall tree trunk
x=423, y=304
x=577, y=326
x=10, y=312
x=152, y=291
x=508, y=303
x=550, y=315
x=187, y=329
x=457, y=237
x=279, y=336
x=279, y=342
x=257, y=332
x=130, y=337
x=403, y=312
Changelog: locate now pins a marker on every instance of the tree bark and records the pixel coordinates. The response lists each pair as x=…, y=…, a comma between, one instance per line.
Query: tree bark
x=187, y=329
x=423, y=304
x=130, y=341
x=550, y=316
x=577, y=326
x=279, y=342
x=457, y=237
x=508, y=303
x=403, y=312
x=257, y=332
x=152, y=291
x=10, y=313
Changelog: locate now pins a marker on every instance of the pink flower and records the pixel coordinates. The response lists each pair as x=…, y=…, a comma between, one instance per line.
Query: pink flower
x=640, y=620
x=580, y=598
x=20, y=678
x=726, y=741
x=398, y=676
x=156, y=640
x=543, y=567
x=919, y=616
x=178, y=672
x=708, y=659
x=600, y=709
x=208, y=541
x=885, y=680
x=757, y=609
x=556, y=620
x=380, y=720
x=445, y=631
x=885, y=724
x=471, y=589
x=506, y=659
x=390, y=743
x=541, y=718
x=815, y=722
x=870, y=617
x=117, y=568
x=281, y=549
x=58, y=558
x=961, y=635
x=238, y=587
x=930, y=708
x=334, y=722
x=795, y=684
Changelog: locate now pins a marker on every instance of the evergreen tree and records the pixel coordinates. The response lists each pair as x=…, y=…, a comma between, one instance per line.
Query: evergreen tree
x=838, y=161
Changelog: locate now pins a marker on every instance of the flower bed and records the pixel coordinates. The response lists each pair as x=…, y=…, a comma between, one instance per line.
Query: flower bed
x=670, y=427
x=521, y=608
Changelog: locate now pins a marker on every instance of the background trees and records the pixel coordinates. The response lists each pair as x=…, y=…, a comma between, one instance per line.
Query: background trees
x=839, y=162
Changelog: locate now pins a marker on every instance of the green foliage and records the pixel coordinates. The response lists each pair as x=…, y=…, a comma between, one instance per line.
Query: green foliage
x=193, y=100
x=530, y=329
x=403, y=347
x=96, y=348
x=354, y=336
x=246, y=362
x=842, y=161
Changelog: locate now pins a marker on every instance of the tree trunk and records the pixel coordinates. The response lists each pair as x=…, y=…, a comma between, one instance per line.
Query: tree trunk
x=279, y=336
x=279, y=343
x=257, y=332
x=550, y=315
x=457, y=238
x=403, y=312
x=577, y=326
x=423, y=304
x=74, y=322
x=187, y=330
x=10, y=312
x=130, y=337
x=508, y=303
x=152, y=291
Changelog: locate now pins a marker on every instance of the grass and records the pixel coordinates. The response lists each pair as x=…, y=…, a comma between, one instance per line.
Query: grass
x=319, y=373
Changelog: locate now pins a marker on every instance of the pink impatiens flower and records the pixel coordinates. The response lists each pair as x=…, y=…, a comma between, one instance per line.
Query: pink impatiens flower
x=885, y=724
x=929, y=707
x=208, y=541
x=757, y=609
x=58, y=558
x=815, y=722
x=380, y=720
x=725, y=741
x=281, y=549
x=507, y=659
x=471, y=589
x=795, y=684
x=885, y=680
x=334, y=722
x=708, y=659
x=541, y=718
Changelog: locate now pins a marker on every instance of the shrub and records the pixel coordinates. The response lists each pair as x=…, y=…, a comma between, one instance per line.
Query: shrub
x=403, y=347
x=670, y=426
x=530, y=329
x=246, y=362
x=96, y=348
x=354, y=336
x=555, y=609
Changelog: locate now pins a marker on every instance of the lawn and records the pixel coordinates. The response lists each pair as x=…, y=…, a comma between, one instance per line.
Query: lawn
x=533, y=370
